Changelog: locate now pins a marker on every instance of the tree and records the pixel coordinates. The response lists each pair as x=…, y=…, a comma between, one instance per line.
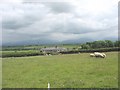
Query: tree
x=117, y=44
x=98, y=44
x=85, y=46
x=109, y=43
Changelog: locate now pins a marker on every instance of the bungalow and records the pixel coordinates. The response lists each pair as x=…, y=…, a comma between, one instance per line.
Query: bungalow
x=53, y=50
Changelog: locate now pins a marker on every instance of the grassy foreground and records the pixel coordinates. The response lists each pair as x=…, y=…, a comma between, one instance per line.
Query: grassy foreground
x=61, y=71
x=0, y=73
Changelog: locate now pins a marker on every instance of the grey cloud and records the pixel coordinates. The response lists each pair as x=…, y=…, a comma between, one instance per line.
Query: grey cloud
x=72, y=25
x=23, y=16
x=57, y=22
x=60, y=7
x=15, y=24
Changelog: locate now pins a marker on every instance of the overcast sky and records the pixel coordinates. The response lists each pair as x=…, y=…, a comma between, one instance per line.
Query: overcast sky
x=58, y=21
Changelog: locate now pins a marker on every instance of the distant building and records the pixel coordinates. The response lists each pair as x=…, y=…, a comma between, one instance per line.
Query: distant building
x=53, y=50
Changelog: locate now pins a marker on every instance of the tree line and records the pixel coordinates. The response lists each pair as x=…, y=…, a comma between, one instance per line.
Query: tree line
x=100, y=44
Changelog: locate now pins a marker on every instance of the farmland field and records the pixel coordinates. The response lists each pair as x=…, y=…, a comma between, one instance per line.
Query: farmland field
x=61, y=71
x=0, y=73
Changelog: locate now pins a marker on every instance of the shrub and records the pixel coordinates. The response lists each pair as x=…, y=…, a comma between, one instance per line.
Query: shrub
x=20, y=53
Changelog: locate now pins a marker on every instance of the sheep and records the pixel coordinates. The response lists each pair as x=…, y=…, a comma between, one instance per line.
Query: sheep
x=97, y=54
x=104, y=54
x=50, y=55
x=46, y=54
x=92, y=55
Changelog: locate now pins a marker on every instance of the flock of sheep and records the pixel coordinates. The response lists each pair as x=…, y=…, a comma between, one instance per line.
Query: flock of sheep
x=97, y=54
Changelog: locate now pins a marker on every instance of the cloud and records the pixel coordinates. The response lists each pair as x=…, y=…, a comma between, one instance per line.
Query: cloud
x=15, y=17
x=60, y=7
x=10, y=1
x=59, y=21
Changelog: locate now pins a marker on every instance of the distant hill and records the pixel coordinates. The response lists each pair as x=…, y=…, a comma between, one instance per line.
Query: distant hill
x=48, y=41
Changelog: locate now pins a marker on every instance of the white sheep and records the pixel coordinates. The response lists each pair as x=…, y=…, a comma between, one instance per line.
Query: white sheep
x=104, y=54
x=97, y=54
x=92, y=55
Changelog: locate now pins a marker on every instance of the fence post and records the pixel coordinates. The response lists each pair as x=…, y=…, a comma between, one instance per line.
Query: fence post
x=48, y=86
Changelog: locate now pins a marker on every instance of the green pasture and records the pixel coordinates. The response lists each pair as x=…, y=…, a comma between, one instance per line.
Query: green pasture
x=0, y=73
x=61, y=71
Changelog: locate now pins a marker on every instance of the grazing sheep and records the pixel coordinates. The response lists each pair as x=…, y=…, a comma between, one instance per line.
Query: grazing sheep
x=97, y=54
x=46, y=54
x=104, y=54
x=92, y=55
x=50, y=55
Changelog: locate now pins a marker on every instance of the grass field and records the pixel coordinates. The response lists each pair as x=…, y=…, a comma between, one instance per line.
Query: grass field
x=61, y=71
x=0, y=73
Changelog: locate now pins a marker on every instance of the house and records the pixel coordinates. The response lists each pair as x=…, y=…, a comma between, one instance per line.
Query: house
x=53, y=50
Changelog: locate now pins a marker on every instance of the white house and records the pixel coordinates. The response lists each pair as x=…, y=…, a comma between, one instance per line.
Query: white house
x=53, y=50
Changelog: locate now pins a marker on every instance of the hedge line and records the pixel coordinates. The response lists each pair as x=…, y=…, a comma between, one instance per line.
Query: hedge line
x=20, y=54
x=36, y=53
x=92, y=50
x=18, y=49
x=101, y=50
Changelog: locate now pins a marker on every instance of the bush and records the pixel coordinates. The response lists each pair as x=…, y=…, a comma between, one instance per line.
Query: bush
x=70, y=52
x=20, y=53
x=92, y=50
x=101, y=50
